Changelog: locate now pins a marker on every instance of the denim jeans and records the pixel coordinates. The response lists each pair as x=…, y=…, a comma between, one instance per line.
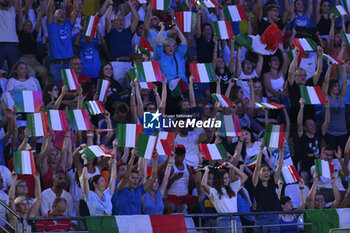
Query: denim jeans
x=225, y=222
x=10, y=52
x=55, y=70
x=267, y=220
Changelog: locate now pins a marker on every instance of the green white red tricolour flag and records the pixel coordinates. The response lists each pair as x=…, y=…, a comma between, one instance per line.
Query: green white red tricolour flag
x=91, y=22
x=79, y=119
x=165, y=142
x=28, y=101
x=304, y=44
x=230, y=126
x=160, y=4
x=312, y=95
x=95, y=151
x=102, y=89
x=127, y=134
x=346, y=5
x=274, y=136
x=202, y=72
x=145, y=145
x=235, y=13
x=345, y=37
x=186, y=20
x=289, y=174
x=177, y=87
x=58, y=120
x=38, y=124
x=148, y=71
x=145, y=85
x=70, y=79
x=252, y=161
x=270, y=105
x=338, y=11
x=225, y=29
x=210, y=3
x=174, y=223
x=213, y=151
x=94, y=107
x=332, y=59
x=225, y=102
x=323, y=220
x=324, y=168
x=145, y=47
x=23, y=162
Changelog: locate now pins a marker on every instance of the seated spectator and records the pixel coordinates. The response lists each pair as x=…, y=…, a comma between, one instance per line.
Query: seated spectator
x=76, y=64
x=20, y=80
x=59, y=207
x=50, y=95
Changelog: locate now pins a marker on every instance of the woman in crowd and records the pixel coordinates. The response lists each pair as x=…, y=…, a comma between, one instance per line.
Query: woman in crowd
x=323, y=20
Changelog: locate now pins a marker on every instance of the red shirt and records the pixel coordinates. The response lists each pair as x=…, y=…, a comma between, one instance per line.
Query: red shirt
x=53, y=225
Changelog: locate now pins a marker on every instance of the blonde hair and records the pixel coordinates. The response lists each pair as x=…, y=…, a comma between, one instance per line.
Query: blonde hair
x=168, y=42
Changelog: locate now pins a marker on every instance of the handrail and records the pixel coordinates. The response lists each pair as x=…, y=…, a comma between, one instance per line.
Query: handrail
x=11, y=210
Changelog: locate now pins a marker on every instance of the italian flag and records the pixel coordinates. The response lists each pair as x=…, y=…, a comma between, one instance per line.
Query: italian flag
x=270, y=105
x=210, y=3
x=332, y=59
x=102, y=89
x=95, y=151
x=145, y=145
x=235, y=13
x=91, y=22
x=225, y=102
x=289, y=174
x=70, y=79
x=141, y=1
x=94, y=107
x=202, y=72
x=127, y=134
x=186, y=20
x=148, y=71
x=79, y=119
x=326, y=219
x=145, y=47
x=346, y=5
x=38, y=124
x=274, y=136
x=230, y=126
x=252, y=161
x=312, y=95
x=266, y=44
x=225, y=29
x=23, y=162
x=161, y=5
x=324, y=168
x=165, y=142
x=177, y=87
x=28, y=101
x=345, y=37
x=304, y=44
x=58, y=120
x=174, y=223
x=338, y=11
x=145, y=85
x=213, y=151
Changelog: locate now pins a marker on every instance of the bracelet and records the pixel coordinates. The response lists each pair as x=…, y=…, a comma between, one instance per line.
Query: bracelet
x=89, y=135
x=132, y=94
x=85, y=165
x=301, y=188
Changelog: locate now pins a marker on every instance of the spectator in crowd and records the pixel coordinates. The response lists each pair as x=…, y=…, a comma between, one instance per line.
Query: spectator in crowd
x=323, y=20
x=76, y=64
x=59, y=207
x=5, y=198
x=298, y=16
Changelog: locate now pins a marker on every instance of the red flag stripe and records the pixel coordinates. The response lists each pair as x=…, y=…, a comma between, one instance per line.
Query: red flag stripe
x=93, y=31
x=64, y=121
x=139, y=130
x=166, y=147
x=102, y=108
x=86, y=119
x=331, y=167
x=297, y=43
x=242, y=12
x=74, y=78
x=45, y=121
x=237, y=125
x=227, y=100
x=194, y=72
x=157, y=71
x=229, y=29
x=276, y=105
x=38, y=100
x=180, y=20
x=32, y=163
x=204, y=150
x=281, y=136
x=294, y=173
x=320, y=94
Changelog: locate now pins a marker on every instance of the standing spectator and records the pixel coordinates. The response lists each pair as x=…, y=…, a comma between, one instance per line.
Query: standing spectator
x=204, y=40
x=298, y=16
x=8, y=36
x=60, y=38
x=323, y=20
x=59, y=207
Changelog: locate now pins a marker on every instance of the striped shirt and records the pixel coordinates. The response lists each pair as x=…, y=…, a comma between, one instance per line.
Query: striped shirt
x=53, y=225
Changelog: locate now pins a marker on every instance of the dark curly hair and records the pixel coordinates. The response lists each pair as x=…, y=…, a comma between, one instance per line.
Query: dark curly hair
x=219, y=183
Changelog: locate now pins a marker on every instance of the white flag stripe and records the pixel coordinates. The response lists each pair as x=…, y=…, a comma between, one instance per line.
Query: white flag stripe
x=159, y=147
x=348, y=37
x=288, y=178
x=89, y=28
x=55, y=120
x=150, y=146
x=274, y=136
x=305, y=44
x=269, y=105
x=222, y=101
x=70, y=79
x=149, y=72
x=28, y=101
x=103, y=90
x=208, y=4
x=78, y=115
x=235, y=13
x=229, y=127
x=130, y=140
x=160, y=4
x=203, y=74
x=187, y=21
x=312, y=95
x=143, y=85
x=38, y=125
x=26, y=164
x=325, y=169
x=96, y=150
x=344, y=216
x=127, y=223
x=213, y=151
x=96, y=108
x=341, y=10
x=223, y=30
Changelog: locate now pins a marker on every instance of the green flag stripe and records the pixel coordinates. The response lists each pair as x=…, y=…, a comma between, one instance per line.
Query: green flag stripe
x=304, y=94
x=222, y=151
x=30, y=124
x=267, y=135
x=18, y=161
x=216, y=30
x=101, y=224
x=141, y=144
x=140, y=72
x=312, y=44
x=318, y=166
x=71, y=119
x=121, y=134
x=227, y=13
x=193, y=21
x=210, y=70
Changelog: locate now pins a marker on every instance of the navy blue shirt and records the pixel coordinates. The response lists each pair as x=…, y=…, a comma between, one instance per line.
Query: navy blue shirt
x=119, y=43
x=129, y=202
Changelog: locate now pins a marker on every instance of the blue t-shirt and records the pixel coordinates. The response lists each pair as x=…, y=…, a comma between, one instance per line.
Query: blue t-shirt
x=129, y=202
x=60, y=37
x=119, y=43
x=151, y=206
x=168, y=64
x=301, y=21
x=90, y=57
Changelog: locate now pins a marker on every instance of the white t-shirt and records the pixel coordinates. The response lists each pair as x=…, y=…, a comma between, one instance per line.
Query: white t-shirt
x=47, y=198
x=225, y=204
x=6, y=176
x=31, y=84
x=252, y=151
x=191, y=144
x=8, y=25
x=244, y=84
x=309, y=65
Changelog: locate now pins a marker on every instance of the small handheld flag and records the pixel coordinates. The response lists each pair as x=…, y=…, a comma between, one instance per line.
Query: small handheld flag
x=225, y=102
x=28, y=101
x=69, y=79
x=161, y=5
x=274, y=136
x=127, y=134
x=95, y=151
x=58, y=120
x=345, y=37
x=23, y=162
x=102, y=89
x=91, y=22
x=225, y=29
x=235, y=13
x=270, y=105
x=145, y=85
x=177, y=87
x=145, y=145
x=324, y=168
x=38, y=124
x=230, y=126
x=148, y=71
x=289, y=174
x=79, y=119
x=202, y=72
x=252, y=161
x=213, y=151
x=332, y=59
x=338, y=11
x=312, y=95
x=94, y=107
x=186, y=20
x=165, y=143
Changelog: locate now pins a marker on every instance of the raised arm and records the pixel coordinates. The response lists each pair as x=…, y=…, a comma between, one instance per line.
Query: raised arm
x=300, y=128
x=310, y=201
x=50, y=11
x=287, y=11
x=317, y=11
x=108, y=23
x=309, y=9
x=76, y=10
x=60, y=98
x=293, y=66
x=156, y=95
x=127, y=174
x=287, y=126
x=259, y=10
x=154, y=173
x=255, y=177
x=344, y=168
x=204, y=182
x=337, y=197
x=302, y=197
x=325, y=84
x=12, y=197
x=161, y=32
x=239, y=62
x=139, y=101
x=110, y=132
x=215, y=52
x=103, y=8
x=331, y=33
x=165, y=180
x=327, y=118
x=147, y=23
x=259, y=64
x=133, y=105
x=229, y=87
x=198, y=28
x=251, y=107
x=134, y=17
x=318, y=72
x=113, y=179
x=344, y=85
x=162, y=104
x=38, y=20
x=192, y=95
x=277, y=174
x=179, y=33
x=231, y=63
x=34, y=210
x=84, y=182
x=292, y=10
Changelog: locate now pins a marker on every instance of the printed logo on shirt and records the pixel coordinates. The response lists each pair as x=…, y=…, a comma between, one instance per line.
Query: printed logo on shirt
x=63, y=33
